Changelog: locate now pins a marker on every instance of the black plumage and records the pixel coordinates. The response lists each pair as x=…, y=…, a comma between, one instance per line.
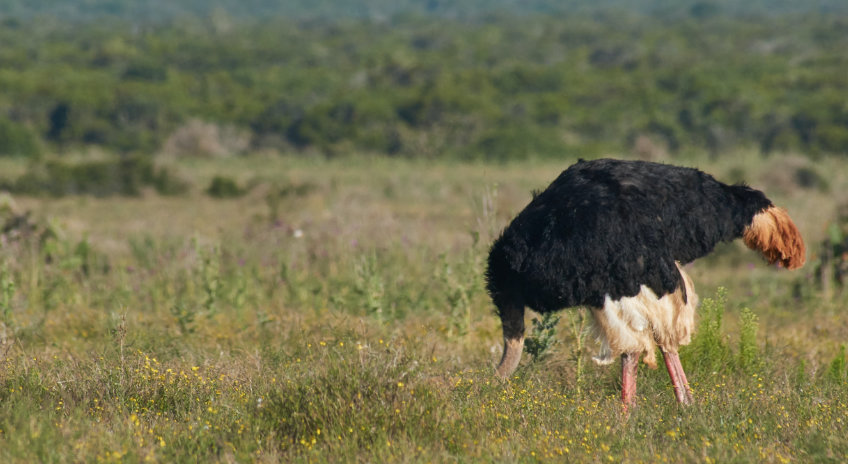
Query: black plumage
x=606, y=227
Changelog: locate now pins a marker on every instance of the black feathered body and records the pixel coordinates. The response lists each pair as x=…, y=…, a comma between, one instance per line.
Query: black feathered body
x=604, y=228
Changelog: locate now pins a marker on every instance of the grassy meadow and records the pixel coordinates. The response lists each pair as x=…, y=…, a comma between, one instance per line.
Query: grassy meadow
x=336, y=312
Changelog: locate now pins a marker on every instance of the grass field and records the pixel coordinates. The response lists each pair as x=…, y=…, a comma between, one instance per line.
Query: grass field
x=336, y=312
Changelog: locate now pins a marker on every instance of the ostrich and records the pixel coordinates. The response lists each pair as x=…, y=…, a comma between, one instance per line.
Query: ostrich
x=613, y=235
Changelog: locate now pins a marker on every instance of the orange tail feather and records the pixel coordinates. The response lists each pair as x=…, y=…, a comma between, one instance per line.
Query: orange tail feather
x=773, y=234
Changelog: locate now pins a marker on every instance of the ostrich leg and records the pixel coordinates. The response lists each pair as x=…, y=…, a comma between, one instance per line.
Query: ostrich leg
x=629, y=363
x=512, y=320
x=678, y=377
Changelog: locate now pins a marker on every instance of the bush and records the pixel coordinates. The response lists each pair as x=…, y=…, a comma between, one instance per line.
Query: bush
x=166, y=183
x=146, y=70
x=519, y=142
x=224, y=187
x=833, y=138
x=124, y=176
x=17, y=140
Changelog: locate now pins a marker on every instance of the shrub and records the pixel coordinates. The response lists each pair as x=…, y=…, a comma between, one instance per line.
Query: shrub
x=124, y=176
x=518, y=142
x=808, y=178
x=145, y=70
x=167, y=183
x=224, y=187
x=833, y=138
x=17, y=140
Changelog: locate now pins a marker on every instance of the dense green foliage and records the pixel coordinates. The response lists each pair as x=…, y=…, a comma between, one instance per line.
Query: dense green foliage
x=430, y=84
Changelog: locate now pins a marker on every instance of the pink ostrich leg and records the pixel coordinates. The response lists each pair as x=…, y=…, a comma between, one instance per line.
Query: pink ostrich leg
x=678, y=377
x=629, y=363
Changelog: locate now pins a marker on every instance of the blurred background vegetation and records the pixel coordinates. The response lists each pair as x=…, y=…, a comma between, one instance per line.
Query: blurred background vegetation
x=426, y=79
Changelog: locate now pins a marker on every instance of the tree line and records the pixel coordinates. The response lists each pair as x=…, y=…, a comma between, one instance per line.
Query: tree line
x=499, y=86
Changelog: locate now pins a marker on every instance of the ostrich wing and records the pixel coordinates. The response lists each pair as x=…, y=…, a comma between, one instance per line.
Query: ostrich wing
x=606, y=227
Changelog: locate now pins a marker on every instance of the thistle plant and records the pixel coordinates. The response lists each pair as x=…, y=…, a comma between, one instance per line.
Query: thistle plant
x=370, y=286
x=578, y=330
x=458, y=293
x=836, y=371
x=708, y=344
x=209, y=272
x=185, y=317
x=748, y=352
x=542, y=337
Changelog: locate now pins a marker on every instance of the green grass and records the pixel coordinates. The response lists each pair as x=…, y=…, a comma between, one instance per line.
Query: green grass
x=336, y=312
